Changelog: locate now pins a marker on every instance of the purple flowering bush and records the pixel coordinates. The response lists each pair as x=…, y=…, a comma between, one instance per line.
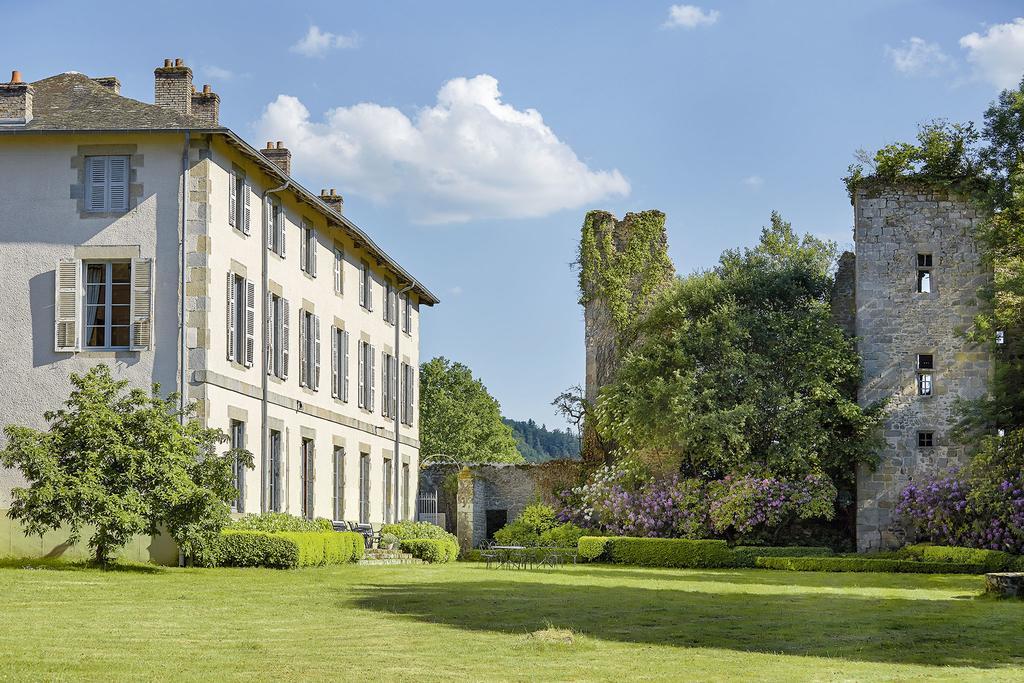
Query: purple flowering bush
x=622, y=499
x=979, y=506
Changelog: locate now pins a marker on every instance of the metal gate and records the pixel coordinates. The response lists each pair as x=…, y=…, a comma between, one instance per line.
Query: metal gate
x=426, y=508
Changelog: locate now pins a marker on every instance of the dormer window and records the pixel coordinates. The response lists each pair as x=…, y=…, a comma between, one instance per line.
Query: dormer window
x=924, y=273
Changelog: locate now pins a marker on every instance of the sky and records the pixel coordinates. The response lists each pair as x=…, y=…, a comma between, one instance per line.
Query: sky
x=469, y=139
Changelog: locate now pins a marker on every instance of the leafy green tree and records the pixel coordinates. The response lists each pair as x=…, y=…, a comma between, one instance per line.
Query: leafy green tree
x=124, y=461
x=459, y=419
x=742, y=368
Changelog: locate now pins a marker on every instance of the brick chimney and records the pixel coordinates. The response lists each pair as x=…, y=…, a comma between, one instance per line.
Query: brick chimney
x=333, y=200
x=15, y=101
x=280, y=155
x=174, y=86
x=206, y=107
x=110, y=83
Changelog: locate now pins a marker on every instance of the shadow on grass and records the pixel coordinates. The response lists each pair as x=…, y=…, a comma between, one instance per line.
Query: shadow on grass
x=892, y=630
x=43, y=563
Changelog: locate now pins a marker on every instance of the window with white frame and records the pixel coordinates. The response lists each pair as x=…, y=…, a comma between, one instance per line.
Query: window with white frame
x=241, y=320
x=366, y=371
x=407, y=314
x=307, y=249
x=389, y=490
x=308, y=470
x=364, y=488
x=275, y=497
x=274, y=218
x=107, y=183
x=239, y=211
x=365, y=286
x=339, y=483
x=309, y=350
x=237, y=468
x=339, y=363
x=408, y=392
x=103, y=305
x=277, y=346
x=108, y=296
x=339, y=271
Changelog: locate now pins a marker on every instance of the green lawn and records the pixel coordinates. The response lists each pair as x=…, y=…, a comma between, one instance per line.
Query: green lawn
x=470, y=623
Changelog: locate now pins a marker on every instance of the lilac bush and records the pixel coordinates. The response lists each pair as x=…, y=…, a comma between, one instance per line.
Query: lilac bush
x=749, y=503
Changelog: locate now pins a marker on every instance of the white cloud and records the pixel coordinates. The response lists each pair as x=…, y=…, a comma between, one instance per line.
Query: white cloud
x=689, y=16
x=998, y=55
x=754, y=182
x=469, y=156
x=918, y=57
x=216, y=73
x=317, y=43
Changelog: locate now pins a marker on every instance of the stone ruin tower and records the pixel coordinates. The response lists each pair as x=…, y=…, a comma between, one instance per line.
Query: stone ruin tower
x=633, y=251
x=916, y=276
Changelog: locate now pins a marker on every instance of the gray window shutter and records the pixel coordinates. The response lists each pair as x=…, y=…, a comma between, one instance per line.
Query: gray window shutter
x=96, y=182
x=232, y=316
x=67, y=305
x=369, y=288
x=311, y=251
x=310, y=476
x=394, y=386
x=373, y=377
x=384, y=384
x=246, y=211
x=334, y=502
x=362, y=286
x=335, y=370
x=344, y=366
x=303, y=372
x=279, y=218
x=142, y=304
x=250, y=323
x=269, y=346
x=117, y=183
x=285, y=323
x=232, y=200
x=315, y=379
x=361, y=374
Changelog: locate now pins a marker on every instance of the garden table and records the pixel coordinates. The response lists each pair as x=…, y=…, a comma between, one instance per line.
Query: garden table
x=511, y=556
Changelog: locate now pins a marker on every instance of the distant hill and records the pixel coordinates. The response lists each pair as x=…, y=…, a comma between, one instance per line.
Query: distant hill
x=537, y=443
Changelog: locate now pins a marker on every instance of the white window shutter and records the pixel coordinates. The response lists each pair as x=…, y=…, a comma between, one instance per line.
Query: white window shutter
x=303, y=252
x=362, y=286
x=232, y=200
x=142, y=304
x=373, y=377
x=315, y=379
x=268, y=219
x=339, y=285
x=344, y=366
x=232, y=316
x=250, y=323
x=269, y=346
x=384, y=402
x=303, y=374
x=312, y=251
x=279, y=219
x=361, y=374
x=117, y=183
x=335, y=374
x=246, y=211
x=394, y=386
x=67, y=305
x=96, y=180
x=285, y=324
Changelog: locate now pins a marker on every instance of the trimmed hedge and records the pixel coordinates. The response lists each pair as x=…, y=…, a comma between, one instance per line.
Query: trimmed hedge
x=992, y=560
x=669, y=552
x=409, y=530
x=432, y=550
x=746, y=555
x=278, y=521
x=592, y=548
x=863, y=564
x=285, y=549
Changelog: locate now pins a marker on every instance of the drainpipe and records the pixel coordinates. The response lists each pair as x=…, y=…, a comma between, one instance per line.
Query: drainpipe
x=183, y=269
x=399, y=315
x=265, y=383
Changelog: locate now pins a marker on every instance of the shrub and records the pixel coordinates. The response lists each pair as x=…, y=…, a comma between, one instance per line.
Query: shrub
x=746, y=555
x=562, y=536
x=992, y=560
x=863, y=564
x=431, y=549
x=409, y=530
x=278, y=521
x=255, y=549
x=592, y=548
x=538, y=525
x=388, y=541
x=670, y=552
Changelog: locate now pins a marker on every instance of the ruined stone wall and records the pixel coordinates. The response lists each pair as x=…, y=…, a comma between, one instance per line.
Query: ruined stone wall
x=895, y=323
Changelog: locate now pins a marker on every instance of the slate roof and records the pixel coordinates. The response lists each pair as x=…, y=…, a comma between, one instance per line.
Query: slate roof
x=73, y=101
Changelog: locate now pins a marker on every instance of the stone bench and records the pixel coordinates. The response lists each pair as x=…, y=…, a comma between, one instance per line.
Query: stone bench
x=1005, y=584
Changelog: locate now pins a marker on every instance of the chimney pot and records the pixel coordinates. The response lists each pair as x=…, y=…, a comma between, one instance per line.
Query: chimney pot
x=167, y=63
x=206, y=89
x=15, y=77
x=179, y=62
x=280, y=145
x=333, y=200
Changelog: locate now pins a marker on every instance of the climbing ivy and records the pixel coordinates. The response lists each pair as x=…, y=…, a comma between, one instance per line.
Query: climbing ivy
x=625, y=264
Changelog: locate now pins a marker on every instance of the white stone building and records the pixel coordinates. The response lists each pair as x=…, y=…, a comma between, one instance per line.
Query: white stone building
x=294, y=331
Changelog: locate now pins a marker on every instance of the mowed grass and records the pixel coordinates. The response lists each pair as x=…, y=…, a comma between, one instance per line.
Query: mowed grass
x=465, y=622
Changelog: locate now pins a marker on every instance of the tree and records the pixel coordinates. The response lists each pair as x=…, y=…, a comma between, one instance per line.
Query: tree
x=459, y=419
x=124, y=461
x=742, y=369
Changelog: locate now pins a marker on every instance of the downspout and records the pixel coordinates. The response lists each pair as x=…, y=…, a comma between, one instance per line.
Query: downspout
x=265, y=383
x=399, y=315
x=183, y=271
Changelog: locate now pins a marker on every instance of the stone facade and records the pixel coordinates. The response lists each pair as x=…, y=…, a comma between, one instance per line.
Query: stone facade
x=896, y=325
x=15, y=101
x=173, y=86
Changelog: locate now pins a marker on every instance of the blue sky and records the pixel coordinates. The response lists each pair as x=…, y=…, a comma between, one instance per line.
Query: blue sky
x=715, y=113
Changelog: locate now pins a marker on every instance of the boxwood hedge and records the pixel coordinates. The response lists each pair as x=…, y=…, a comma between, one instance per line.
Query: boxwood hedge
x=992, y=560
x=434, y=550
x=865, y=564
x=285, y=549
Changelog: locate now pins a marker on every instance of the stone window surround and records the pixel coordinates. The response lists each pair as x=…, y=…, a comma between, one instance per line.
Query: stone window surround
x=239, y=270
x=933, y=251
x=135, y=188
